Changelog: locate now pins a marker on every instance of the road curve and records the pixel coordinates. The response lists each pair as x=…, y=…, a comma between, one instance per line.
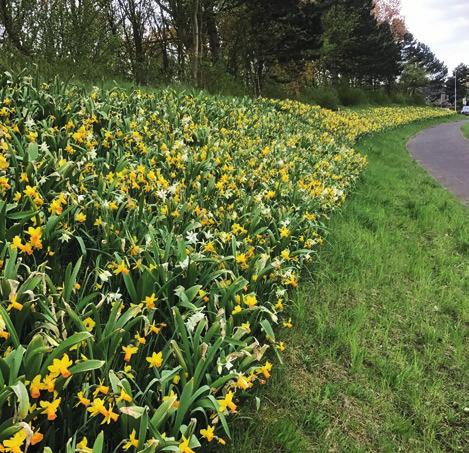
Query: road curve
x=444, y=153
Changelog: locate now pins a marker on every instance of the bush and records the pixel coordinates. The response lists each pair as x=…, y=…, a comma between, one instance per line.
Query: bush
x=379, y=97
x=216, y=80
x=351, y=96
x=324, y=96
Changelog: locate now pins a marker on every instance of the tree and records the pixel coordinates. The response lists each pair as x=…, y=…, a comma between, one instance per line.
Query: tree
x=461, y=74
x=279, y=37
x=134, y=16
x=389, y=11
x=357, y=48
x=13, y=18
x=413, y=78
x=417, y=54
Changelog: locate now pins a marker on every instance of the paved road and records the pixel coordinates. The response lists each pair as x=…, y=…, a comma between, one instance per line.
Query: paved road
x=444, y=152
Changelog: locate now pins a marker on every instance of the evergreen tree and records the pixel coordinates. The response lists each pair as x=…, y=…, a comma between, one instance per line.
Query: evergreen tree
x=418, y=55
x=461, y=74
x=357, y=48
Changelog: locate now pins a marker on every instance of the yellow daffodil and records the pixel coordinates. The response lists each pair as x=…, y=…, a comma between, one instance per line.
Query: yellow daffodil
x=155, y=360
x=250, y=300
x=124, y=396
x=50, y=408
x=208, y=433
x=36, y=386
x=150, y=301
x=132, y=441
x=82, y=446
x=184, y=446
x=61, y=366
x=15, y=443
x=101, y=388
x=14, y=304
x=121, y=269
x=227, y=403
x=129, y=351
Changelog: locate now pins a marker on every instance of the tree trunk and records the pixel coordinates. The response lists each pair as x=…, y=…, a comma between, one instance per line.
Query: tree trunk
x=164, y=45
x=195, y=43
x=139, y=54
x=12, y=34
x=213, y=36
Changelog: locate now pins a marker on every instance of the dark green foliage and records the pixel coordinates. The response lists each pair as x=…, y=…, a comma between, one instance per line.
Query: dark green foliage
x=423, y=72
x=324, y=96
x=357, y=47
x=461, y=73
x=331, y=52
x=331, y=97
x=350, y=96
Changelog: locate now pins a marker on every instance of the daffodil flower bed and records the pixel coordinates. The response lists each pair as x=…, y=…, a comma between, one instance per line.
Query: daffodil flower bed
x=149, y=243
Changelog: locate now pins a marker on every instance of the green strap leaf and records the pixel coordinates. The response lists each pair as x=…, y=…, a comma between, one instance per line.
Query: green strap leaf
x=63, y=347
x=99, y=443
x=88, y=365
x=23, y=399
x=10, y=327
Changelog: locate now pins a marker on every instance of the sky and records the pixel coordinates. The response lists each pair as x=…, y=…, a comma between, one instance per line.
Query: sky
x=441, y=24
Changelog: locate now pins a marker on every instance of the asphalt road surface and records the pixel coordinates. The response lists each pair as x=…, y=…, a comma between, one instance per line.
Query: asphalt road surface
x=444, y=153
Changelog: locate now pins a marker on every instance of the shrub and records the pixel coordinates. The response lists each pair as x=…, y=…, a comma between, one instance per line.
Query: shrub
x=351, y=96
x=324, y=96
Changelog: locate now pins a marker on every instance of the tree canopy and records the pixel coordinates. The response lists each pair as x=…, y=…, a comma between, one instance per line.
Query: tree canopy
x=360, y=43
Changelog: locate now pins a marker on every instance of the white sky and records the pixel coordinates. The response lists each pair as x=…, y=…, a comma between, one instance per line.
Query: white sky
x=441, y=24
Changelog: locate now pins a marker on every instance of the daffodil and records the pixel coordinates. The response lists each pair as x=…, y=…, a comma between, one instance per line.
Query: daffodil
x=50, y=408
x=284, y=232
x=49, y=383
x=132, y=441
x=184, y=446
x=150, y=301
x=155, y=360
x=101, y=388
x=15, y=443
x=36, y=386
x=266, y=369
x=89, y=324
x=97, y=407
x=35, y=237
x=243, y=383
x=80, y=217
x=61, y=366
x=129, y=351
x=110, y=416
x=124, y=396
x=14, y=304
x=121, y=269
x=83, y=400
x=250, y=300
x=82, y=446
x=208, y=433
x=36, y=438
x=227, y=403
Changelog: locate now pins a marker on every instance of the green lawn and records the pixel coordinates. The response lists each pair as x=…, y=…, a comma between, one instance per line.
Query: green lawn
x=376, y=360
x=465, y=130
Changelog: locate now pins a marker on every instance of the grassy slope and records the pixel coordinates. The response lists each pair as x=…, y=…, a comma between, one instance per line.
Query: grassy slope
x=376, y=360
x=465, y=130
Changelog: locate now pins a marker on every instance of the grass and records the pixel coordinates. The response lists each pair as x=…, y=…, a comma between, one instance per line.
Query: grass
x=376, y=360
x=465, y=130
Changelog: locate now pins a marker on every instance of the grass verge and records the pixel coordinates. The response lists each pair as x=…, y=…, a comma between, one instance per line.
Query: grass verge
x=375, y=361
x=465, y=130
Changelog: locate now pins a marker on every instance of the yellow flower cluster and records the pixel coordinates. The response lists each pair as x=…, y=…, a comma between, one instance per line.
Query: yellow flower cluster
x=148, y=246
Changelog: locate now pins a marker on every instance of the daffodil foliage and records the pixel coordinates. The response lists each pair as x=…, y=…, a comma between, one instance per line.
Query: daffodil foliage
x=149, y=243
